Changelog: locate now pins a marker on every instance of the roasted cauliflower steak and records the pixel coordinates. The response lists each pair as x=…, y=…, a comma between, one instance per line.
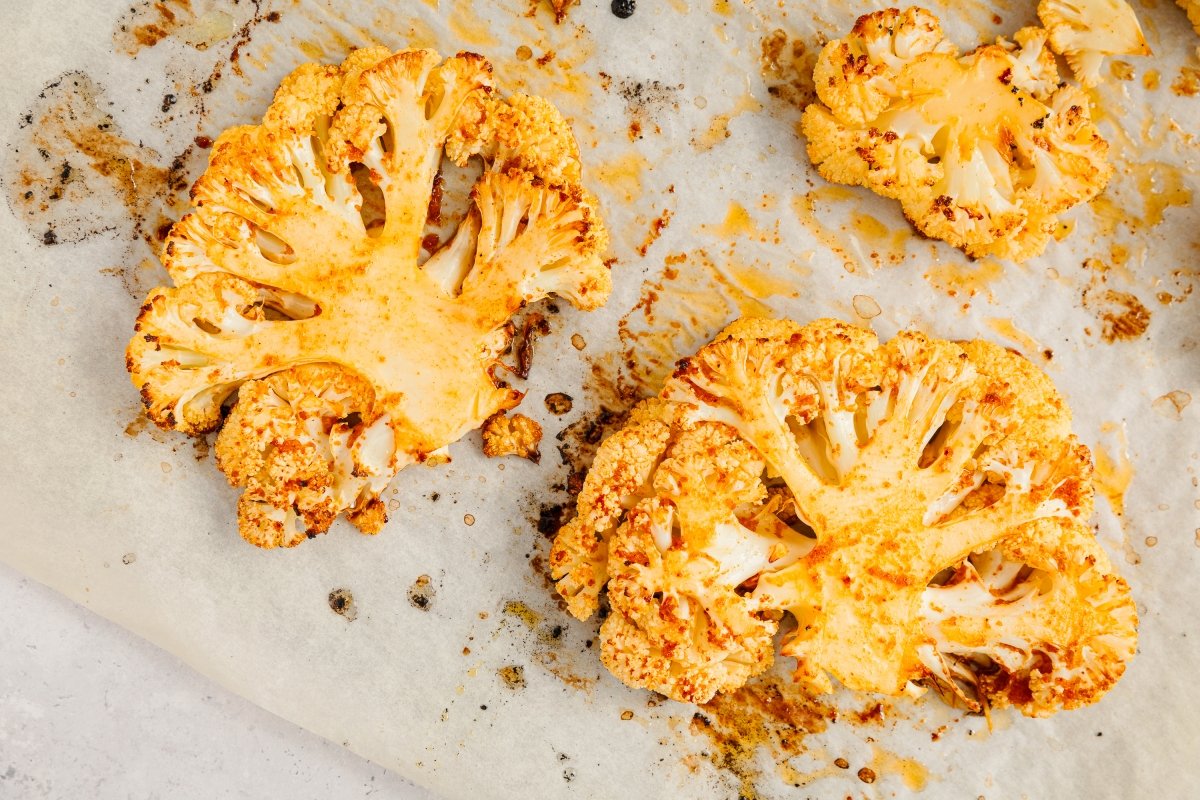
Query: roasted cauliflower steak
x=983, y=151
x=351, y=357
x=919, y=508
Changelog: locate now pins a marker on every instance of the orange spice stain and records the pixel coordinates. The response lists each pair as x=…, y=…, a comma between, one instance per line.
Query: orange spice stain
x=914, y=774
x=657, y=226
x=804, y=206
x=261, y=58
x=882, y=243
x=1063, y=229
x=469, y=29
x=1026, y=344
x=718, y=128
x=1158, y=186
x=737, y=223
x=622, y=176
x=311, y=49
x=966, y=280
x=1114, y=472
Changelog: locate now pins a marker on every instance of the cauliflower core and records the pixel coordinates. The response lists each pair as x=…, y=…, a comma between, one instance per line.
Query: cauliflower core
x=918, y=507
x=350, y=357
x=983, y=151
x=1085, y=31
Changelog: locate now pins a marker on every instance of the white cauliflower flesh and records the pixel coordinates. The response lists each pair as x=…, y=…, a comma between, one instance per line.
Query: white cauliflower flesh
x=983, y=150
x=351, y=358
x=919, y=507
x=1085, y=31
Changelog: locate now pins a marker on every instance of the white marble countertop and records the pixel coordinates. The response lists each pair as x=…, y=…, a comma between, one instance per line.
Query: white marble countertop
x=89, y=710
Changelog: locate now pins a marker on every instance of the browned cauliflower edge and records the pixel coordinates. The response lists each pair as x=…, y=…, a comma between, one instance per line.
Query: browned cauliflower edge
x=1085, y=31
x=983, y=150
x=517, y=435
x=918, y=507
x=1192, y=7
x=348, y=356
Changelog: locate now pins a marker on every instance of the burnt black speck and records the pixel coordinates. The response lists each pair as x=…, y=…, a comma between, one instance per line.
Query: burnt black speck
x=623, y=9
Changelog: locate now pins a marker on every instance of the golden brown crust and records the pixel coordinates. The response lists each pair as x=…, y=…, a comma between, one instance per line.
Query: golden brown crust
x=275, y=269
x=517, y=435
x=811, y=470
x=983, y=151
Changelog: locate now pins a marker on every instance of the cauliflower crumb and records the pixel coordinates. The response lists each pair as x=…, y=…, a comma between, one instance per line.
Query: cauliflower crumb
x=517, y=435
x=919, y=507
x=983, y=150
x=339, y=356
x=1085, y=31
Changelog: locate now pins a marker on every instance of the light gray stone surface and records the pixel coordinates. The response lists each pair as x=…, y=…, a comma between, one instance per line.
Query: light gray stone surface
x=89, y=710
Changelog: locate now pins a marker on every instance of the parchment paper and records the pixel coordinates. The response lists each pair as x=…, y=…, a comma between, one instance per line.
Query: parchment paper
x=139, y=525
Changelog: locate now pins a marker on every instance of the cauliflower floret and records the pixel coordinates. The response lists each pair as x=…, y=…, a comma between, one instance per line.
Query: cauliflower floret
x=1045, y=607
x=517, y=435
x=305, y=443
x=1192, y=7
x=678, y=624
x=892, y=498
x=1085, y=31
x=617, y=477
x=277, y=273
x=983, y=151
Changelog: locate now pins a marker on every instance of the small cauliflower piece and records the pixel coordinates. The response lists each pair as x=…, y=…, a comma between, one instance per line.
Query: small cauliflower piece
x=1192, y=7
x=1085, y=31
x=983, y=150
x=517, y=435
x=919, y=507
x=349, y=357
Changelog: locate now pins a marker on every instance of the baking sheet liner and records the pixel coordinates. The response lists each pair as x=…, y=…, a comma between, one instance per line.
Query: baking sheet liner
x=449, y=661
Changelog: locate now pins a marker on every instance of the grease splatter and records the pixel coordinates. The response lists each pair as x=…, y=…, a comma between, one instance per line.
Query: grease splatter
x=421, y=593
x=342, y=603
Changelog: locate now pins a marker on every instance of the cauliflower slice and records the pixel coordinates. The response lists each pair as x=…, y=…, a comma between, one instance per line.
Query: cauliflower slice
x=1085, y=31
x=983, y=151
x=1192, y=7
x=918, y=507
x=349, y=357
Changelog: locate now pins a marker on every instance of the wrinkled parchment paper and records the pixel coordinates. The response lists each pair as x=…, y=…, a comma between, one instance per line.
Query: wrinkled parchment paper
x=449, y=661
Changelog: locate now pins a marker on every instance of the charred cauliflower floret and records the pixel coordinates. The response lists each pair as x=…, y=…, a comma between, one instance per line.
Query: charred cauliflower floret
x=1085, y=31
x=517, y=435
x=349, y=357
x=918, y=507
x=983, y=150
